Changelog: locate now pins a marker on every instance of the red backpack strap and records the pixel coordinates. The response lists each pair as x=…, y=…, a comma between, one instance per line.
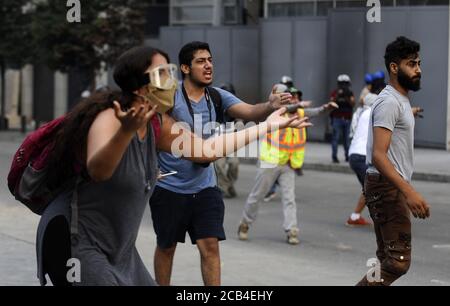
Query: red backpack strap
x=156, y=122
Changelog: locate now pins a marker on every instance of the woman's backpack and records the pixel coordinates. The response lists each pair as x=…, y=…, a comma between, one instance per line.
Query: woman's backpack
x=27, y=176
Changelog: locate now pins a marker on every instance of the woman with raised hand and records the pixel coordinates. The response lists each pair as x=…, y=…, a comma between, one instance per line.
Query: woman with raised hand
x=115, y=136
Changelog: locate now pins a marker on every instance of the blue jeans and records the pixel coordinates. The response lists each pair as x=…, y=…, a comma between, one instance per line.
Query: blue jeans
x=340, y=124
x=358, y=165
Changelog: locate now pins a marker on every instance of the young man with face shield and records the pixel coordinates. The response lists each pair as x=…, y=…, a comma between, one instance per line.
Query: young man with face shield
x=190, y=201
x=389, y=194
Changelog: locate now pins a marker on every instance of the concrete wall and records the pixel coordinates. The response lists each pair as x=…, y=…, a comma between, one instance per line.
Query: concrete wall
x=235, y=51
x=418, y=24
x=297, y=48
x=448, y=90
x=312, y=50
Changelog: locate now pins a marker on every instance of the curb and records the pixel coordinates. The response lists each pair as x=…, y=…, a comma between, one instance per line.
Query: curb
x=417, y=176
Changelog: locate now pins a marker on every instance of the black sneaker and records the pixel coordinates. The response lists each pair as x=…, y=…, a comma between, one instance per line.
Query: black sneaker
x=335, y=160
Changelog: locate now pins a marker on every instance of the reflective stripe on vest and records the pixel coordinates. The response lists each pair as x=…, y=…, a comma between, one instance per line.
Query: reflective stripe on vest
x=287, y=145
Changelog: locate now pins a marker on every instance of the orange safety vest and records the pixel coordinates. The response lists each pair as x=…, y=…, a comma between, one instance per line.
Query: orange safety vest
x=286, y=145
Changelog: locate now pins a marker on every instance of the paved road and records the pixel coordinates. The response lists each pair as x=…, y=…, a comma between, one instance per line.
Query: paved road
x=329, y=254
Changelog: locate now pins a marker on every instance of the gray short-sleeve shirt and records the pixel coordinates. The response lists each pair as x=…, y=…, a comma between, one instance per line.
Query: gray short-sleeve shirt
x=392, y=111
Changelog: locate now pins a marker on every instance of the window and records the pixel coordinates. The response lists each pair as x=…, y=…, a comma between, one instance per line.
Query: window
x=157, y=15
x=421, y=2
x=190, y=15
x=323, y=7
x=231, y=10
x=347, y=3
x=291, y=9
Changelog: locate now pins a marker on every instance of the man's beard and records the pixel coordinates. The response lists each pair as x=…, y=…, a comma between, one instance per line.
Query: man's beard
x=200, y=83
x=408, y=83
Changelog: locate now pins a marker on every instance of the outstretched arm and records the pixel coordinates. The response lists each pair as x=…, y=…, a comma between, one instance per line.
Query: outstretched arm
x=313, y=112
x=180, y=141
x=259, y=112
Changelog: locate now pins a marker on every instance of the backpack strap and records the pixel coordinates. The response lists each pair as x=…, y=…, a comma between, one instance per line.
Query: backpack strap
x=74, y=213
x=156, y=123
x=217, y=102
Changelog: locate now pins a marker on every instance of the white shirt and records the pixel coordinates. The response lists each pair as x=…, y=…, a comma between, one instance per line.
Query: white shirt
x=359, y=141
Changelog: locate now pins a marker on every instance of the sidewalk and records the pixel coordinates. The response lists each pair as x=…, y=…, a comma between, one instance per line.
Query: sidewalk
x=430, y=164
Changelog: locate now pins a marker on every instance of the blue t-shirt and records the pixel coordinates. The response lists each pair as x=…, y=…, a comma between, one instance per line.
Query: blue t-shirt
x=191, y=178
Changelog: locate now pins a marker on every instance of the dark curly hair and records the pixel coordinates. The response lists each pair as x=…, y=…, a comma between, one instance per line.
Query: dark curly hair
x=400, y=49
x=69, y=151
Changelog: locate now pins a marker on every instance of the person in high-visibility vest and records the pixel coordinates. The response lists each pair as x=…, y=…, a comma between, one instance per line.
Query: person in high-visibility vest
x=281, y=153
x=297, y=95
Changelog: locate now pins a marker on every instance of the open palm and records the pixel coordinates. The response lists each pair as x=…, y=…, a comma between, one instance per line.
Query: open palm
x=278, y=120
x=133, y=119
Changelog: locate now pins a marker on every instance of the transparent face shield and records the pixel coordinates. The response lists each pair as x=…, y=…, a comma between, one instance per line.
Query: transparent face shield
x=164, y=76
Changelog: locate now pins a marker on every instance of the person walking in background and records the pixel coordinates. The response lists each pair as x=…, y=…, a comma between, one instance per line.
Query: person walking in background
x=281, y=154
x=357, y=151
x=227, y=168
x=366, y=89
x=297, y=97
x=341, y=117
x=368, y=78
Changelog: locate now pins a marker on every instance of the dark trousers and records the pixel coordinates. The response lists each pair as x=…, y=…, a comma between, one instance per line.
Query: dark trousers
x=392, y=223
x=340, y=124
x=56, y=251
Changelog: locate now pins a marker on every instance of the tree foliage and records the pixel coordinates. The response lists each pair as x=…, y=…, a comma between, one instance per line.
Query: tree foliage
x=107, y=28
x=16, y=43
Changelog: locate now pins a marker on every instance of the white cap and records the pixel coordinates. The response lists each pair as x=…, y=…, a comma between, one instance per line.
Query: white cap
x=343, y=78
x=286, y=79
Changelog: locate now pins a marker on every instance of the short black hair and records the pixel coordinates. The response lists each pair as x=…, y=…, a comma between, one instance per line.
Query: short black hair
x=186, y=54
x=400, y=49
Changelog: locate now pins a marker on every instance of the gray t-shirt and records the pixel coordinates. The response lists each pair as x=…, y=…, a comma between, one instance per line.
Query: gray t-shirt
x=392, y=111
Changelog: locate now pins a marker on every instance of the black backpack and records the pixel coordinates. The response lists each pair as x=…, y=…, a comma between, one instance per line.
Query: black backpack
x=217, y=102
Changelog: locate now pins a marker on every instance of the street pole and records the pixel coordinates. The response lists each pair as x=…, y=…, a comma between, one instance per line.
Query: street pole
x=3, y=120
x=448, y=85
x=217, y=13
